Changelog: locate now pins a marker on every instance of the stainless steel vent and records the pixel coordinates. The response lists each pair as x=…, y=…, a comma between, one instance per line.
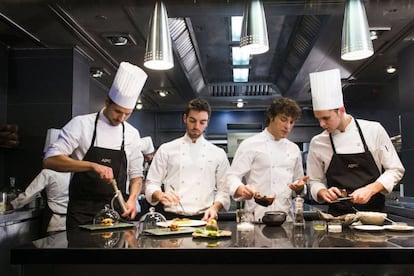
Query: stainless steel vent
x=233, y=90
x=181, y=35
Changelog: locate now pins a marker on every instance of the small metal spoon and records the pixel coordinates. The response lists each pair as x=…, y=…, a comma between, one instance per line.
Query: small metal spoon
x=396, y=223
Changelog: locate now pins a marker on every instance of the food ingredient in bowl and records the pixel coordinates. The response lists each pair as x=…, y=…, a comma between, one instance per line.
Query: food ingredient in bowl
x=263, y=200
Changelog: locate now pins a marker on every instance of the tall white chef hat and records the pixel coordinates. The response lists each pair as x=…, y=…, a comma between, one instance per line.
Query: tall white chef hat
x=51, y=136
x=147, y=146
x=127, y=85
x=326, y=90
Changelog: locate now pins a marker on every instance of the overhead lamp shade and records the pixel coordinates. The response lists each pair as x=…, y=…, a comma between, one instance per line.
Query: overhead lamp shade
x=356, y=41
x=254, y=30
x=158, y=54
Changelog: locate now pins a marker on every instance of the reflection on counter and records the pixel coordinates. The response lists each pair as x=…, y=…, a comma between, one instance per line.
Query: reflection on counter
x=262, y=236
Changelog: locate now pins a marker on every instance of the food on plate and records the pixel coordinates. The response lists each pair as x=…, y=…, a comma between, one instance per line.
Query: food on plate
x=211, y=230
x=346, y=219
x=212, y=225
x=107, y=222
x=181, y=221
x=263, y=200
x=174, y=226
x=373, y=218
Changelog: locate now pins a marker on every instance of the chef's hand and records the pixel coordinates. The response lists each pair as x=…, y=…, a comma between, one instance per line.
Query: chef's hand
x=104, y=172
x=245, y=191
x=298, y=186
x=210, y=213
x=131, y=209
x=330, y=194
x=168, y=198
x=364, y=194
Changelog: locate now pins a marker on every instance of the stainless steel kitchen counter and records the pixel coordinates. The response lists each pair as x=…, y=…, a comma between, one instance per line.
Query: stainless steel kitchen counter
x=264, y=248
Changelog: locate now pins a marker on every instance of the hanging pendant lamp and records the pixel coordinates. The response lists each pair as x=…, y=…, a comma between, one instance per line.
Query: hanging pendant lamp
x=158, y=54
x=254, y=30
x=356, y=41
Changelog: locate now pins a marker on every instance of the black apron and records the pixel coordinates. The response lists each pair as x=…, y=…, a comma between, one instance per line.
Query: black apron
x=88, y=194
x=352, y=171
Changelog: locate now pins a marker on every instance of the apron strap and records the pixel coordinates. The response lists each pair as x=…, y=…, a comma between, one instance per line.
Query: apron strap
x=94, y=130
x=361, y=135
x=94, y=133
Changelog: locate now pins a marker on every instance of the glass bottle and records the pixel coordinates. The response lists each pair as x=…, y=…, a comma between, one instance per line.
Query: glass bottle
x=298, y=219
x=299, y=223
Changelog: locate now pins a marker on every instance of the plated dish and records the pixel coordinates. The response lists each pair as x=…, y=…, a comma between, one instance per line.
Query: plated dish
x=93, y=227
x=396, y=227
x=182, y=222
x=212, y=234
x=167, y=231
x=366, y=227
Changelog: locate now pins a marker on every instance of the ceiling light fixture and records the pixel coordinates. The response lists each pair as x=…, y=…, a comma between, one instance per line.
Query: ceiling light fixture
x=96, y=72
x=356, y=41
x=240, y=103
x=158, y=53
x=373, y=35
x=254, y=29
x=119, y=40
x=139, y=105
x=162, y=93
x=391, y=69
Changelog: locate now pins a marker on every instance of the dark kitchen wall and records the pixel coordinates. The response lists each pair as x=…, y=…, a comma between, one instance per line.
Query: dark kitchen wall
x=46, y=87
x=406, y=88
x=3, y=102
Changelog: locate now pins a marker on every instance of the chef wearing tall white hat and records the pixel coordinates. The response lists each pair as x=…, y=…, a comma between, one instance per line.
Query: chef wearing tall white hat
x=99, y=148
x=351, y=158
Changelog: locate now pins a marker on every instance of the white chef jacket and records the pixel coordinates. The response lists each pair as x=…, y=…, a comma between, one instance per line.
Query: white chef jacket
x=56, y=185
x=349, y=141
x=268, y=165
x=195, y=170
x=76, y=136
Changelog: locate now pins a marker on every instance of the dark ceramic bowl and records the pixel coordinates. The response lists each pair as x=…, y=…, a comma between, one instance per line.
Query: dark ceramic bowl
x=274, y=218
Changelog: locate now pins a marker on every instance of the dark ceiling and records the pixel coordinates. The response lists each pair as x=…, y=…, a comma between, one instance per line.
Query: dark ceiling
x=304, y=37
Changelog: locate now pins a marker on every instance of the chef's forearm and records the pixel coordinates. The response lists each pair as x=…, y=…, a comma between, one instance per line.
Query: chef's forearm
x=135, y=187
x=63, y=163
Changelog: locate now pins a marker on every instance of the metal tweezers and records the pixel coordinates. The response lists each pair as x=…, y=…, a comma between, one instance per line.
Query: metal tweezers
x=179, y=202
x=341, y=199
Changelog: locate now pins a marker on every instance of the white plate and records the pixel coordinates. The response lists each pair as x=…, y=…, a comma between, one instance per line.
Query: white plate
x=189, y=223
x=369, y=227
x=166, y=231
x=399, y=227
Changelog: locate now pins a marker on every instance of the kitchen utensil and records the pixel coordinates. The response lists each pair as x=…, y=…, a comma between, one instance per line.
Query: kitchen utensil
x=118, y=195
x=396, y=223
x=263, y=200
x=106, y=214
x=274, y=218
x=339, y=199
x=179, y=202
x=150, y=220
